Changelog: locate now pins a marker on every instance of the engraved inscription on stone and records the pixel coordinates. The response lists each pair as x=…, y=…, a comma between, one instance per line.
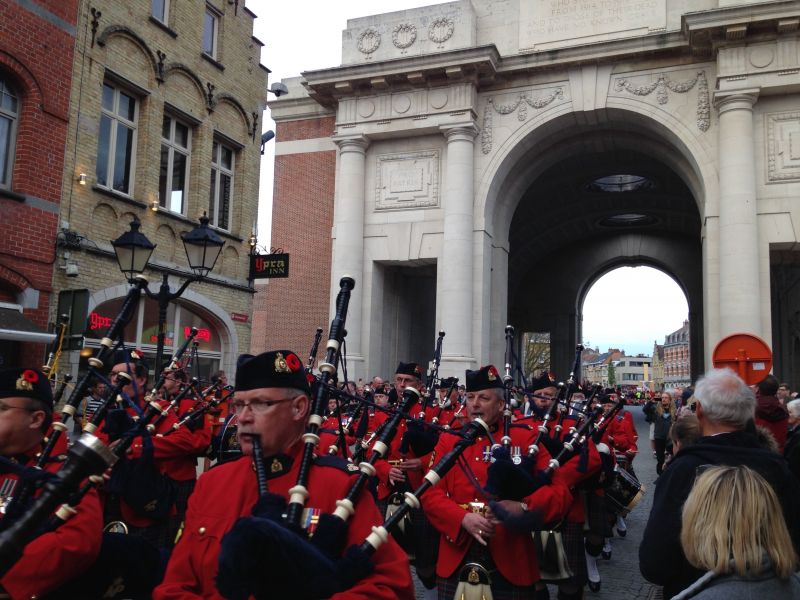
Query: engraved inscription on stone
x=407, y=180
x=783, y=147
x=559, y=23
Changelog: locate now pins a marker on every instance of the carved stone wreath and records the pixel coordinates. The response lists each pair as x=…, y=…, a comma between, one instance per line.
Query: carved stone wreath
x=519, y=104
x=441, y=30
x=369, y=40
x=404, y=35
x=663, y=85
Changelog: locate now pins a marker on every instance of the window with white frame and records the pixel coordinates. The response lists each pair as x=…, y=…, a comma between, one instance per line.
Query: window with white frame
x=160, y=10
x=219, y=204
x=117, y=141
x=9, y=106
x=173, y=178
x=210, y=32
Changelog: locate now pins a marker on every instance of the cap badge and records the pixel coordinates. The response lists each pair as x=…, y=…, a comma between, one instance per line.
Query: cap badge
x=491, y=373
x=280, y=364
x=26, y=381
x=277, y=466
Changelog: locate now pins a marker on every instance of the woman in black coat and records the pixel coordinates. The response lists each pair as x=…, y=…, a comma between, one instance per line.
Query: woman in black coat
x=662, y=414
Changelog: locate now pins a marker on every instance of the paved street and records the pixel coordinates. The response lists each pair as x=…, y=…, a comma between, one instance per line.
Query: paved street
x=621, y=579
x=620, y=575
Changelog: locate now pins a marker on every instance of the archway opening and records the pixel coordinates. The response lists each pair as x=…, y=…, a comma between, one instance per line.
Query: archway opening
x=589, y=199
x=635, y=330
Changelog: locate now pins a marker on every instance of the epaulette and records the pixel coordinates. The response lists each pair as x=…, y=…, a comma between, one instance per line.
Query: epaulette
x=336, y=462
x=527, y=426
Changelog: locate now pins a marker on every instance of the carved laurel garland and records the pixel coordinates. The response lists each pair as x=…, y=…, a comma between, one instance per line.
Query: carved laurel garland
x=663, y=85
x=369, y=40
x=441, y=30
x=519, y=104
x=404, y=35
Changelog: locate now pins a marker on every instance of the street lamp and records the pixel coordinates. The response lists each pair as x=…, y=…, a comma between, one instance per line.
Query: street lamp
x=202, y=247
x=133, y=250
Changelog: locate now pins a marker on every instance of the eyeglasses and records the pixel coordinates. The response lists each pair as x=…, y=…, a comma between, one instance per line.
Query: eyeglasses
x=4, y=407
x=257, y=406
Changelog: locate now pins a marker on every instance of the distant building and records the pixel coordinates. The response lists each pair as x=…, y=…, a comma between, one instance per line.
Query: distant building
x=596, y=371
x=676, y=358
x=658, y=367
x=632, y=371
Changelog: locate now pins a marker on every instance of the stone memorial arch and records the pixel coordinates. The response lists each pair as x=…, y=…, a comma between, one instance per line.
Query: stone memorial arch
x=481, y=162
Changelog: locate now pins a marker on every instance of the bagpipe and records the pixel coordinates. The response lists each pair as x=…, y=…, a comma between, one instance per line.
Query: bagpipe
x=88, y=456
x=273, y=535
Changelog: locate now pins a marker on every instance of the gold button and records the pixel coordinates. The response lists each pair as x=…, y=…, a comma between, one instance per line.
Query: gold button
x=201, y=531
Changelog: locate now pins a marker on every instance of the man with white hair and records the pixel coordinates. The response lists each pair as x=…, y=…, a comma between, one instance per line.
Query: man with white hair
x=725, y=412
x=792, y=449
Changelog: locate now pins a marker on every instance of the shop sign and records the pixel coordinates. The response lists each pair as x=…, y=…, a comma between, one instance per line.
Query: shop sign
x=266, y=266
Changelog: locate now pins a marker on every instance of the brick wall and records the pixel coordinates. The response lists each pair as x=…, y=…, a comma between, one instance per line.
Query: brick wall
x=36, y=57
x=126, y=44
x=302, y=218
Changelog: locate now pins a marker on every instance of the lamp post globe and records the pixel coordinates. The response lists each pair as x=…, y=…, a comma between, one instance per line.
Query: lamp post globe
x=203, y=247
x=133, y=251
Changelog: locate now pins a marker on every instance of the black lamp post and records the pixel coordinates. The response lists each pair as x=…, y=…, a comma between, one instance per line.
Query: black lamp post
x=133, y=251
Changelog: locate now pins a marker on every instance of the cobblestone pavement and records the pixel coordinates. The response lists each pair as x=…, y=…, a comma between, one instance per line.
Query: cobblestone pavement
x=620, y=576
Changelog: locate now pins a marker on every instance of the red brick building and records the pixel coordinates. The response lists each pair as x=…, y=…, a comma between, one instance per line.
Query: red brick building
x=37, y=40
x=676, y=358
x=287, y=311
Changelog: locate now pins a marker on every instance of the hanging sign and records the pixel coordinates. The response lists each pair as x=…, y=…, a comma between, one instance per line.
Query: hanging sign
x=266, y=266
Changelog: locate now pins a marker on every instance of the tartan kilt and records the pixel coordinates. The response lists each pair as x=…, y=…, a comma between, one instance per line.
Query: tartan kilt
x=427, y=548
x=596, y=514
x=184, y=490
x=502, y=589
x=572, y=536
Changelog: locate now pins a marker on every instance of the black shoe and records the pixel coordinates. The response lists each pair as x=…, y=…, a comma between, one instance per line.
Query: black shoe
x=606, y=555
x=622, y=532
x=594, y=586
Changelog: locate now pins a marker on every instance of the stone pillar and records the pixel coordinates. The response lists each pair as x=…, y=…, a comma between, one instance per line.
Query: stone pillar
x=739, y=290
x=348, y=245
x=455, y=294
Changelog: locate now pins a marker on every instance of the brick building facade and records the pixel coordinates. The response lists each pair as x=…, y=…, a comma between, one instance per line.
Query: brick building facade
x=36, y=53
x=166, y=104
x=676, y=358
x=302, y=219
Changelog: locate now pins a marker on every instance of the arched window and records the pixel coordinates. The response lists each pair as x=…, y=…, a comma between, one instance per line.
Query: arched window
x=9, y=115
x=142, y=331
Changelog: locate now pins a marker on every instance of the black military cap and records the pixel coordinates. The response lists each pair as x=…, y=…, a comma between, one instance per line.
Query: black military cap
x=545, y=380
x=447, y=382
x=483, y=379
x=276, y=369
x=25, y=383
x=410, y=368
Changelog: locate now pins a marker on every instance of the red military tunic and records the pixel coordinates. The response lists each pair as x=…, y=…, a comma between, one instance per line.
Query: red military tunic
x=229, y=491
x=175, y=455
x=54, y=558
x=621, y=434
x=569, y=470
x=383, y=467
x=513, y=553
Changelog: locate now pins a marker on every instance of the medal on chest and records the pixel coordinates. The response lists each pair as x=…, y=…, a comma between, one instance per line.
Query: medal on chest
x=487, y=454
x=7, y=493
x=310, y=520
x=516, y=455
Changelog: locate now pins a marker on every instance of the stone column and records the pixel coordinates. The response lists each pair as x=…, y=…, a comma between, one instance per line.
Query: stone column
x=739, y=290
x=348, y=245
x=455, y=293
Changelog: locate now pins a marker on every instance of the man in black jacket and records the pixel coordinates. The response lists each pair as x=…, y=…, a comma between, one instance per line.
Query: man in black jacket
x=725, y=411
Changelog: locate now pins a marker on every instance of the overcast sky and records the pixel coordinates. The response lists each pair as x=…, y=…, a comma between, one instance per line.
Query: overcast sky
x=628, y=308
